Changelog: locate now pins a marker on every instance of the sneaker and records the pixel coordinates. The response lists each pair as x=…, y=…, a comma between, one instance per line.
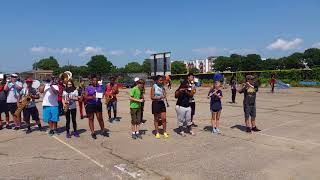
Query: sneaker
x=158, y=136
x=255, y=129
x=51, y=133
x=94, y=136
x=76, y=134
x=134, y=136
x=218, y=131
x=183, y=134
x=214, y=130
x=116, y=119
x=165, y=135
x=8, y=126
x=139, y=136
x=110, y=120
x=248, y=130
x=28, y=131
x=56, y=132
x=68, y=135
x=105, y=133
x=192, y=133
x=16, y=128
x=194, y=125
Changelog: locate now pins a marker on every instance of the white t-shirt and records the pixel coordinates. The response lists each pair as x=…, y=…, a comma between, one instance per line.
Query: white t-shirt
x=72, y=103
x=13, y=92
x=49, y=98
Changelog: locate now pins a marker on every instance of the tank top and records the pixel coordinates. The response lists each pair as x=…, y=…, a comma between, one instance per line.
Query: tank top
x=158, y=91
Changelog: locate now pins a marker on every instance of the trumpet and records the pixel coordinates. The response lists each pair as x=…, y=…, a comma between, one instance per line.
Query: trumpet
x=25, y=101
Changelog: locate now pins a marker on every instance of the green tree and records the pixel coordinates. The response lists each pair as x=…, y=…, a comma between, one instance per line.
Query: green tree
x=133, y=67
x=222, y=63
x=251, y=62
x=178, y=67
x=294, y=61
x=312, y=57
x=146, y=66
x=99, y=65
x=47, y=64
x=194, y=70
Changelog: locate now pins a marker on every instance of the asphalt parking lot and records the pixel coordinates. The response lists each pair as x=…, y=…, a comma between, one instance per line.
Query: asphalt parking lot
x=288, y=147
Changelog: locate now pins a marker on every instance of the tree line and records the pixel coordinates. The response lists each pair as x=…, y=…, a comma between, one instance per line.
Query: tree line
x=98, y=64
x=254, y=62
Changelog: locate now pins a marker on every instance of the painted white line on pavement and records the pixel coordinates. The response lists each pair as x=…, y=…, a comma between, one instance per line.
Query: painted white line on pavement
x=122, y=168
x=79, y=152
x=157, y=156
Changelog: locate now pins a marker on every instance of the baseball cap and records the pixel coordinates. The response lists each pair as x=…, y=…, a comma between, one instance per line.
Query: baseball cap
x=136, y=79
x=14, y=75
x=29, y=80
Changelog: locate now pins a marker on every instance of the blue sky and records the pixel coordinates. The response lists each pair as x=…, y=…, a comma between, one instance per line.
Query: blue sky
x=129, y=30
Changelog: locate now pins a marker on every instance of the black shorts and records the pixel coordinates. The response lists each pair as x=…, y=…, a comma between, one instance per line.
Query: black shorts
x=93, y=108
x=12, y=107
x=3, y=107
x=158, y=107
x=193, y=108
x=249, y=111
x=33, y=112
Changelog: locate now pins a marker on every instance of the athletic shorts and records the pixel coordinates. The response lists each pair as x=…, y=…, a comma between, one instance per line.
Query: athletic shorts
x=193, y=108
x=249, y=111
x=12, y=107
x=158, y=107
x=33, y=112
x=50, y=114
x=112, y=105
x=3, y=107
x=135, y=116
x=93, y=108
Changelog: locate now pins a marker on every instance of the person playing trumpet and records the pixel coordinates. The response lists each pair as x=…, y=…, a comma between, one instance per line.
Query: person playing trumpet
x=110, y=95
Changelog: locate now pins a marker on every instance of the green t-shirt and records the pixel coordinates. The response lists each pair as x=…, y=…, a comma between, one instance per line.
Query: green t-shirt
x=135, y=93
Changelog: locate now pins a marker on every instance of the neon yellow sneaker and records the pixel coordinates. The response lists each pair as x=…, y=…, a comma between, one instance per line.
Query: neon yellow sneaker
x=158, y=136
x=165, y=135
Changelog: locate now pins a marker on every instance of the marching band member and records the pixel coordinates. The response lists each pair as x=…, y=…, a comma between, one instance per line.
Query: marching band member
x=250, y=90
x=215, y=95
x=50, y=111
x=70, y=96
x=183, y=108
x=3, y=102
x=111, y=92
x=30, y=109
x=81, y=99
x=13, y=88
x=192, y=88
x=158, y=106
x=136, y=99
x=93, y=95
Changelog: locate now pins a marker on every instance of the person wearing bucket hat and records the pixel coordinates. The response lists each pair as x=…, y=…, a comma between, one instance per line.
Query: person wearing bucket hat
x=31, y=108
x=250, y=89
x=3, y=103
x=13, y=87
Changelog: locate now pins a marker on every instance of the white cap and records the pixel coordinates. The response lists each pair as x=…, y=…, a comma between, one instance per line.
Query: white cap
x=1, y=76
x=136, y=79
x=14, y=75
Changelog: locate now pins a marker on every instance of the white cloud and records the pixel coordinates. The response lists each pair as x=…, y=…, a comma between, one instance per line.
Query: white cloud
x=243, y=51
x=138, y=52
x=42, y=49
x=284, y=45
x=207, y=51
x=316, y=45
x=116, y=52
x=89, y=50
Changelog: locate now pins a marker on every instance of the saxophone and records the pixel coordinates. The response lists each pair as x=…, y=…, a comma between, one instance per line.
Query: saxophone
x=25, y=101
x=110, y=96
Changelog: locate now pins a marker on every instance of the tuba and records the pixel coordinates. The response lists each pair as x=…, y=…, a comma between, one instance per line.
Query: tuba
x=66, y=76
